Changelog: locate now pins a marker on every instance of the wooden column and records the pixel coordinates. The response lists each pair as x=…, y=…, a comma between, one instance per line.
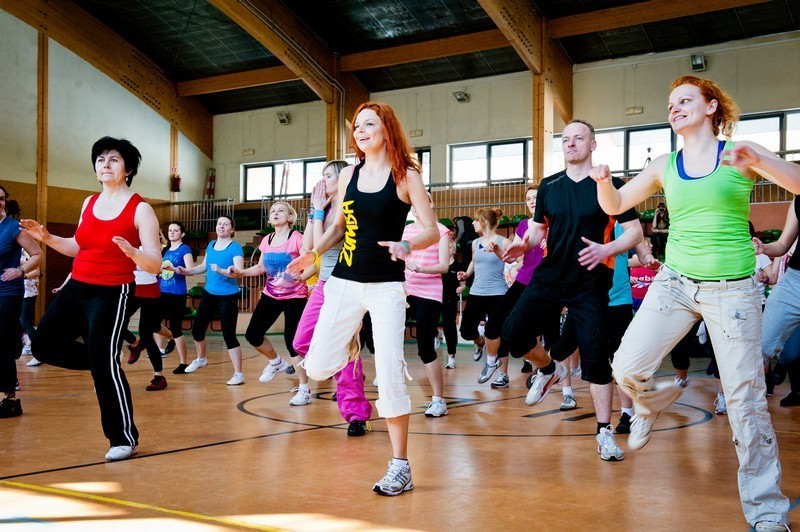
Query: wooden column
x=542, y=128
x=41, y=149
x=173, y=160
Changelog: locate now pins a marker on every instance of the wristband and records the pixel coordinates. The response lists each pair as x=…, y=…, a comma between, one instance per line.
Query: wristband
x=316, y=255
x=23, y=271
x=319, y=214
x=406, y=244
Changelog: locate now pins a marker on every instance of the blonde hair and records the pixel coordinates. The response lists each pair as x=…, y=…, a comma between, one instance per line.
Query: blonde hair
x=491, y=215
x=292, y=211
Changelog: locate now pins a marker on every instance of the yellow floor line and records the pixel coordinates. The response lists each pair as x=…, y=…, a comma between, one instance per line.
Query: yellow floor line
x=120, y=502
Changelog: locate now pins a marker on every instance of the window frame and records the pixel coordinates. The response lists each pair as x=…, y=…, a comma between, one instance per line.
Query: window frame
x=527, y=156
x=275, y=165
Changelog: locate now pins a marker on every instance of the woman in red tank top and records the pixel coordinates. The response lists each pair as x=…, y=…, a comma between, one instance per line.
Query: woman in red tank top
x=91, y=306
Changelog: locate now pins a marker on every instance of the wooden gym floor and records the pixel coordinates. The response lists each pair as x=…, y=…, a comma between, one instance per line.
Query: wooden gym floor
x=214, y=457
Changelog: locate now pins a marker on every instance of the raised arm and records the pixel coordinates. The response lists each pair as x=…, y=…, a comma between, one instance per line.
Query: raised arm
x=750, y=157
x=533, y=237
x=616, y=201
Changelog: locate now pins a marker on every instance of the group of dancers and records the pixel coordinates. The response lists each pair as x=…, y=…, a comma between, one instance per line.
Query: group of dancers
x=368, y=260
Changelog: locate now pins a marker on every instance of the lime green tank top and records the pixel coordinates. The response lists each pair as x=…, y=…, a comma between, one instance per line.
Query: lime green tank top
x=709, y=238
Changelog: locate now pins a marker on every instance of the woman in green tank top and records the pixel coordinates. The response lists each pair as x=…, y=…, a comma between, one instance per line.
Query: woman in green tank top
x=708, y=274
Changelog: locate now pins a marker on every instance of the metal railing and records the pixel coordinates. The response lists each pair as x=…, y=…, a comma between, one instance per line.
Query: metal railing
x=300, y=204
x=200, y=216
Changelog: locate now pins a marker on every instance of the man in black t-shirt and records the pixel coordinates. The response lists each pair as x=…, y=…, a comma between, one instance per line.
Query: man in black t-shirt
x=575, y=273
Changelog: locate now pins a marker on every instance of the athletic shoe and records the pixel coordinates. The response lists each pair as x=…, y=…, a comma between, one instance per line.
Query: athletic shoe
x=334, y=397
x=436, y=408
x=771, y=526
x=10, y=407
x=136, y=352
x=121, y=452
x=527, y=367
x=664, y=393
x=477, y=351
x=302, y=397
x=568, y=403
x=26, y=351
x=159, y=382
x=196, y=364
x=778, y=373
x=290, y=370
x=436, y=343
x=451, y=362
x=358, y=428
x=481, y=329
x=681, y=382
x=236, y=380
x=488, y=371
x=34, y=362
x=624, y=425
x=607, y=446
x=542, y=384
x=16, y=386
x=273, y=369
x=500, y=382
x=396, y=480
x=720, y=405
x=181, y=369
x=793, y=399
x=170, y=347
x=529, y=380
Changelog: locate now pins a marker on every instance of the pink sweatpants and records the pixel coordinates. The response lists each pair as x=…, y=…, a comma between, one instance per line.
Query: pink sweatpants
x=350, y=397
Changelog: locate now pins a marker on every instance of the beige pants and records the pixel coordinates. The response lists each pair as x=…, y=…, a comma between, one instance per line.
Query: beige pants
x=732, y=313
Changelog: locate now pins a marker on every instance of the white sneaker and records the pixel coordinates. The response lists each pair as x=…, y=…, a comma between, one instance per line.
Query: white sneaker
x=121, y=452
x=436, y=343
x=34, y=362
x=26, y=351
x=488, y=371
x=607, y=446
x=273, y=369
x=720, y=406
x=681, y=383
x=396, y=480
x=481, y=329
x=662, y=395
x=196, y=364
x=236, y=380
x=302, y=397
x=771, y=526
x=451, y=362
x=436, y=408
x=542, y=384
x=477, y=351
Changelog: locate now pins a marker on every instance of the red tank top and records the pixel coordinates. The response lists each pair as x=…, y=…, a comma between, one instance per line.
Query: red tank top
x=100, y=261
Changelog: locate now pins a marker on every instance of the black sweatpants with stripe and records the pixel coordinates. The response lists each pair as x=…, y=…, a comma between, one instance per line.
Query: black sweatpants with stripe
x=95, y=315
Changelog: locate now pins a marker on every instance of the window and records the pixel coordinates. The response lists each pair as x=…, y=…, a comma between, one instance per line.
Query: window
x=610, y=149
x=287, y=178
x=644, y=145
x=765, y=131
x=491, y=161
x=793, y=136
x=423, y=155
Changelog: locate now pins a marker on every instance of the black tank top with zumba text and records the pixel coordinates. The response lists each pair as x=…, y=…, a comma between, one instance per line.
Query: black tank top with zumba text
x=371, y=217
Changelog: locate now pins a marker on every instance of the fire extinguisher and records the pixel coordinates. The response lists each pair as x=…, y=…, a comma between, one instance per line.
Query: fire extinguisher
x=175, y=183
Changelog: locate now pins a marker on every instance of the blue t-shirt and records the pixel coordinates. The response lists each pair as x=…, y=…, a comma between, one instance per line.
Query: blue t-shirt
x=171, y=282
x=217, y=284
x=620, y=293
x=10, y=252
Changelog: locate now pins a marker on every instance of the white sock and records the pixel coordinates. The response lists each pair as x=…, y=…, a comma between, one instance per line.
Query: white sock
x=628, y=411
x=400, y=462
x=491, y=360
x=436, y=398
x=163, y=351
x=567, y=390
x=451, y=357
x=304, y=387
x=276, y=362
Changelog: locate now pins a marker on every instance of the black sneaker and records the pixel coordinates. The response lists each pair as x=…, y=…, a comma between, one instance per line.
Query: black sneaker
x=793, y=399
x=529, y=380
x=779, y=374
x=357, y=428
x=624, y=425
x=527, y=367
x=10, y=407
x=290, y=370
x=170, y=347
x=181, y=369
x=334, y=397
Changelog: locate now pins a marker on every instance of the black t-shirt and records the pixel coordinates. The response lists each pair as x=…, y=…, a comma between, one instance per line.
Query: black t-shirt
x=794, y=260
x=570, y=211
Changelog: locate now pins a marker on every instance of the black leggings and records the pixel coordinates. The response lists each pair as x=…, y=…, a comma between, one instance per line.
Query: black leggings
x=28, y=315
x=476, y=310
x=10, y=341
x=227, y=307
x=97, y=315
x=449, y=317
x=149, y=324
x=267, y=311
x=173, y=308
x=426, y=312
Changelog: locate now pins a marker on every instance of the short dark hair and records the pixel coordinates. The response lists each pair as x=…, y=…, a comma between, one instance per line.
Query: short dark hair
x=130, y=155
x=5, y=191
x=585, y=123
x=230, y=218
x=179, y=224
x=12, y=209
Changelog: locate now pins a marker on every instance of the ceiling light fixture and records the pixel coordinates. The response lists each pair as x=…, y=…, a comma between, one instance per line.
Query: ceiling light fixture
x=461, y=96
x=284, y=118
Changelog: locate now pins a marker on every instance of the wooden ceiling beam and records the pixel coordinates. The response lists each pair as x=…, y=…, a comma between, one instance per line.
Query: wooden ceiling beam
x=80, y=32
x=423, y=51
x=287, y=38
x=636, y=14
x=238, y=80
x=522, y=25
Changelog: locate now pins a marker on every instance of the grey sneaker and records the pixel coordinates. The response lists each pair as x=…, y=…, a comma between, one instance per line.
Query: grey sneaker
x=451, y=362
x=436, y=408
x=500, y=382
x=302, y=397
x=273, y=369
x=771, y=526
x=720, y=406
x=488, y=370
x=569, y=402
x=477, y=351
x=121, y=452
x=607, y=446
x=396, y=480
x=542, y=384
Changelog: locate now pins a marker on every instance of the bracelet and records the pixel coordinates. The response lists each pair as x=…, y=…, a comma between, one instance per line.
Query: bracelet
x=24, y=273
x=319, y=214
x=316, y=255
x=406, y=244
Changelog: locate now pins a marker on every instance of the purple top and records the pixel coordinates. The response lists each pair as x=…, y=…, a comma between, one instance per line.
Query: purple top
x=531, y=259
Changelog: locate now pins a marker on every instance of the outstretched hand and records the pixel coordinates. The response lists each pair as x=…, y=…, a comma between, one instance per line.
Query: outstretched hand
x=125, y=246
x=298, y=265
x=593, y=254
x=35, y=229
x=516, y=249
x=741, y=156
x=396, y=249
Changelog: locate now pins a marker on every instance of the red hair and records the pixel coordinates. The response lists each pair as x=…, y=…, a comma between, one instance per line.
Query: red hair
x=398, y=150
x=727, y=113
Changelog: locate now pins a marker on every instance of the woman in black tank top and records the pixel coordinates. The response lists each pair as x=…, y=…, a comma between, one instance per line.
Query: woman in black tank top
x=375, y=199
